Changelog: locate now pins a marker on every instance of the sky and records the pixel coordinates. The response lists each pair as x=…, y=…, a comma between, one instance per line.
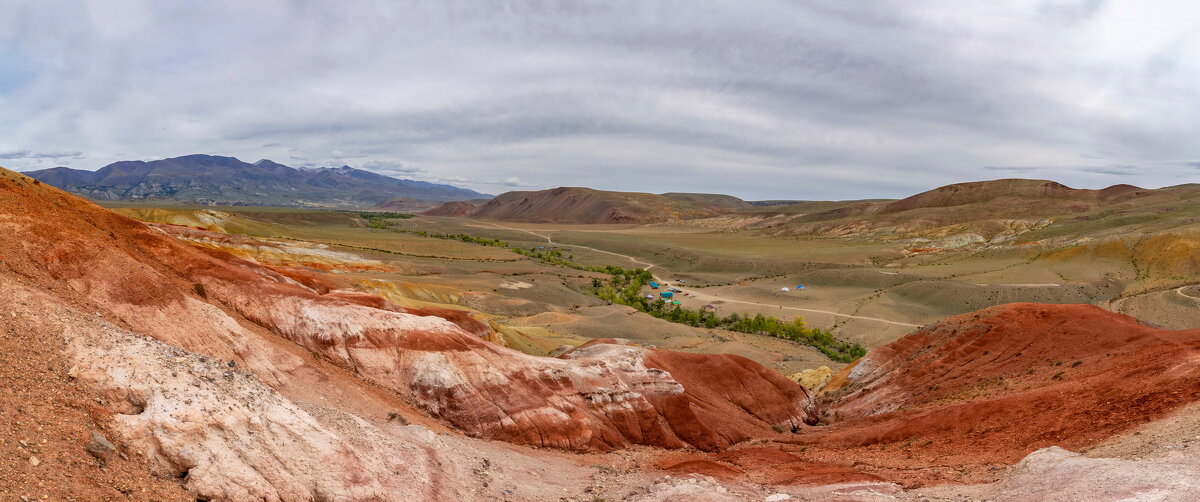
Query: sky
x=755, y=98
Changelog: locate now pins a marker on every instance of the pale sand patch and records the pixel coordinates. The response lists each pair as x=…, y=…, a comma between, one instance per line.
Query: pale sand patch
x=516, y=285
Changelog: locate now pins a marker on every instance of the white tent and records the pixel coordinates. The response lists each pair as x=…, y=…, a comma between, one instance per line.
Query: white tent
x=784, y=289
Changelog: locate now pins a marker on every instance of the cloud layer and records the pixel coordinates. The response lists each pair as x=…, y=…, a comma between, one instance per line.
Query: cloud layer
x=761, y=99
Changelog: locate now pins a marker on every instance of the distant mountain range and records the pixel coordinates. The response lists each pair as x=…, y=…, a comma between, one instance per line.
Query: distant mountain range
x=214, y=180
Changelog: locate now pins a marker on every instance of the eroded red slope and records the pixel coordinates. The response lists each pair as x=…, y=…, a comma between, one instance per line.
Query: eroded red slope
x=961, y=400
x=989, y=387
x=230, y=309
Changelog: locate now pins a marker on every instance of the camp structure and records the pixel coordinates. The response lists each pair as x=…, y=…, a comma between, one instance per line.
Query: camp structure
x=653, y=285
x=666, y=294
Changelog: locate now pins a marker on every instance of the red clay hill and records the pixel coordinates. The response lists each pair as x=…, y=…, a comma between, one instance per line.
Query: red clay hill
x=960, y=400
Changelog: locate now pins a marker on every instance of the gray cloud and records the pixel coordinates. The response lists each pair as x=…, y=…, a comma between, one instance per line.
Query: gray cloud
x=393, y=168
x=1114, y=170
x=511, y=182
x=762, y=99
x=26, y=154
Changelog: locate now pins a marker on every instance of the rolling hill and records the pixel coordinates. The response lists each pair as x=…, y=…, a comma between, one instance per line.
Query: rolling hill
x=1004, y=192
x=984, y=211
x=585, y=205
x=214, y=180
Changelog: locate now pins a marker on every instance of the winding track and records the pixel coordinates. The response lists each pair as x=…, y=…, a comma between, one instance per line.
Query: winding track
x=700, y=295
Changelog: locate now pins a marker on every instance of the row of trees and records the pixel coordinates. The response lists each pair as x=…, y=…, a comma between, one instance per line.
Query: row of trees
x=468, y=238
x=379, y=219
x=626, y=286
x=552, y=256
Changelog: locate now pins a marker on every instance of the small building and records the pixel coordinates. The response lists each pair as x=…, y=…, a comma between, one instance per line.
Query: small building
x=653, y=285
x=666, y=294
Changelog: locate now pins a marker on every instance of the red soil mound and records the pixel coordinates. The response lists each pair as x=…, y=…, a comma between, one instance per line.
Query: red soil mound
x=711, y=413
x=987, y=388
x=705, y=467
x=774, y=467
x=763, y=465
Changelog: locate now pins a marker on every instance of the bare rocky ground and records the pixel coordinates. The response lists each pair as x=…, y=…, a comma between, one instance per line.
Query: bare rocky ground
x=46, y=422
x=193, y=427
x=202, y=426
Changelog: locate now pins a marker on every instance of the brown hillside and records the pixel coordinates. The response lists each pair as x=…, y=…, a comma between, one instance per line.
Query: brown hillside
x=584, y=205
x=977, y=192
x=713, y=201
x=453, y=208
x=990, y=212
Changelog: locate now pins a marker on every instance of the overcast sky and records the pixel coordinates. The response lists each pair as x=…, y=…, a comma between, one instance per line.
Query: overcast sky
x=760, y=99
